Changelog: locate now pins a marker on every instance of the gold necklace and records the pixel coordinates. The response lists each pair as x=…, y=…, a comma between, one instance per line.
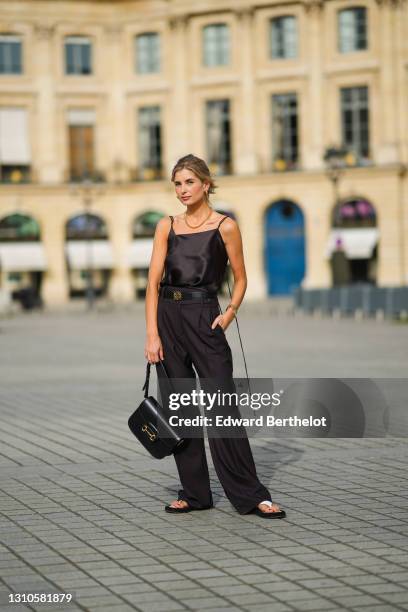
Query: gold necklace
x=200, y=224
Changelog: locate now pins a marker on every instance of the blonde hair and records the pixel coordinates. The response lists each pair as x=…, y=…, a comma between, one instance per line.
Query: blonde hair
x=198, y=167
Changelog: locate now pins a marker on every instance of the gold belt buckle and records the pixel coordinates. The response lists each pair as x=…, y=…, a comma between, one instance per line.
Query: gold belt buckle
x=177, y=295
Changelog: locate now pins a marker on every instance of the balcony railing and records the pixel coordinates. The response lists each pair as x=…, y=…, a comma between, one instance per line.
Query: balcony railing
x=146, y=174
x=15, y=175
x=96, y=176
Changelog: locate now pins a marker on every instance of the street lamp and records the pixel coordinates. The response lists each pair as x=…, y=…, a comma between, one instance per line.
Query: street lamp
x=336, y=160
x=87, y=189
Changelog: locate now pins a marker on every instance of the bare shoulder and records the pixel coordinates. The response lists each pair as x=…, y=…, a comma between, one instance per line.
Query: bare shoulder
x=229, y=228
x=163, y=226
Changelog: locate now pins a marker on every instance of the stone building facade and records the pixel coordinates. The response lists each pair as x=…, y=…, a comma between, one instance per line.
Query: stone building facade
x=99, y=99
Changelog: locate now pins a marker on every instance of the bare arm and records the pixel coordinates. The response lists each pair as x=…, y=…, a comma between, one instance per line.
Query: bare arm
x=233, y=242
x=153, y=346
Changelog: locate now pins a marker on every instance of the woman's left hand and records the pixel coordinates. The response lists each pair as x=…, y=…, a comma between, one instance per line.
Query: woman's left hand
x=223, y=320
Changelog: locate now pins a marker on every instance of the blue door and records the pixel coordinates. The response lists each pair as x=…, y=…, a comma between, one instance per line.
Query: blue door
x=284, y=247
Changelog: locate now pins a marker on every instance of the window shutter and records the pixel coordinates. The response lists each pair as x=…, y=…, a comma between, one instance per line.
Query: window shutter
x=14, y=142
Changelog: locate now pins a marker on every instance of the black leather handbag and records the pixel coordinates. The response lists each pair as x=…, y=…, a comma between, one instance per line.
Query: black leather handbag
x=150, y=424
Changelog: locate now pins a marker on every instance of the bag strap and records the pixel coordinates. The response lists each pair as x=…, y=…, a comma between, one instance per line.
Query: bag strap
x=145, y=387
x=240, y=341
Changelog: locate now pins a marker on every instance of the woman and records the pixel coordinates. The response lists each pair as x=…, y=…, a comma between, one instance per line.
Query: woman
x=184, y=328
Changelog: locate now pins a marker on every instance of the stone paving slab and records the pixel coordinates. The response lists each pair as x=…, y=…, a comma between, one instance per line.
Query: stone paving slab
x=81, y=504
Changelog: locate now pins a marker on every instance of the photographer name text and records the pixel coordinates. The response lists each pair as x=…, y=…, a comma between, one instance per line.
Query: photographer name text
x=260, y=421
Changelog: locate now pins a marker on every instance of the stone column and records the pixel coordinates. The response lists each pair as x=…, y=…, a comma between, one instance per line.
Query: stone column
x=121, y=289
x=252, y=228
x=180, y=122
x=47, y=162
x=116, y=128
x=403, y=221
x=311, y=122
x=54, y=290
x=387, y=149
x=400, y=109
x=246, y=162
x=317, y=231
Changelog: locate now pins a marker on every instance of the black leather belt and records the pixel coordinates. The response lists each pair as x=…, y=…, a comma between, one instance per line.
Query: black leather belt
x=178, y=294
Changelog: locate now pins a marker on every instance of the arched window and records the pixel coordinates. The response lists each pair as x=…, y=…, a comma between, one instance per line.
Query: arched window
x=144, y=225
x=18, y=227
x=356, y=212
x=85, y=226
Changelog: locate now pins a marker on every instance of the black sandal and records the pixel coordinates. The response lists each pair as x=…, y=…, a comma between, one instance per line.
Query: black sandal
x=172, y=510
x=269, y=515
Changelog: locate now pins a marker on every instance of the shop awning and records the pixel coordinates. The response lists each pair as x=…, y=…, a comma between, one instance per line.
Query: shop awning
x=357, y=243
x=140, y=253
x=94, y=254
x=22, y=257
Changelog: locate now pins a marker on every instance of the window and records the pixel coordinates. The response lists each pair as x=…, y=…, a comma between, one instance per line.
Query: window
x=78, y=55
x=85, y=226
x=356, y=212
x=148, y=53
x=144, y=225
x=285, y=131
x=216, y=45
x=18, y=227
x=352, y=27
x=150, y=146
x=10, y=54
x=218, y=136
x=355, y=121
x=15, y=158
x=81, y=144
x=283, y=33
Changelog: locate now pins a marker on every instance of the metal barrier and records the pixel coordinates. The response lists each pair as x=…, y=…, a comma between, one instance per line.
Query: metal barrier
x=348, y=300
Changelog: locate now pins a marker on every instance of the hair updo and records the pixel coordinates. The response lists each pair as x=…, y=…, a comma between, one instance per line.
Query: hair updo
x=198, y=167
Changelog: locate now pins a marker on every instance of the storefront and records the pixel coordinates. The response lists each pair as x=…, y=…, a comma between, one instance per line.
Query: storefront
x=22, y=259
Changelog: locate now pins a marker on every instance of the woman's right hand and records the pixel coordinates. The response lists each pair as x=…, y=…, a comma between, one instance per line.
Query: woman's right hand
x=153, y=348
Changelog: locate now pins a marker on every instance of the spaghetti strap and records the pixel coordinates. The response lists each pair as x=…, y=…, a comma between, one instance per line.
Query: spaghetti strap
x=223, y=219
x=172, y=219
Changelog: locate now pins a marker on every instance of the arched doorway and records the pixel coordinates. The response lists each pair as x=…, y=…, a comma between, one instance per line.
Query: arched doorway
x=88, y=255
x=284, y=247
x=353, y=241
x=22, y=259
x=143, y=228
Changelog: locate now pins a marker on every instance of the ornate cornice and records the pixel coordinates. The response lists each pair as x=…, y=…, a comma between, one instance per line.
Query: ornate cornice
x=114, y=32
x=392, y=3
x=313, y=5
x=244, y=12
x=44, y=32
x=178, y=21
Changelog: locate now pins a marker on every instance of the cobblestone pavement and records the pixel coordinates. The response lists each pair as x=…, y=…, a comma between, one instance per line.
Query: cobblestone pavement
x=81, y=506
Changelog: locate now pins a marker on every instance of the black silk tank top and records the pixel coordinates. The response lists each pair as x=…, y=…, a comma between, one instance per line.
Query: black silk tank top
x=195, y=260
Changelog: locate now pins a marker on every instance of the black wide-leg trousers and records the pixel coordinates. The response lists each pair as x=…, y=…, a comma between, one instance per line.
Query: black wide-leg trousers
x=185, y=331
